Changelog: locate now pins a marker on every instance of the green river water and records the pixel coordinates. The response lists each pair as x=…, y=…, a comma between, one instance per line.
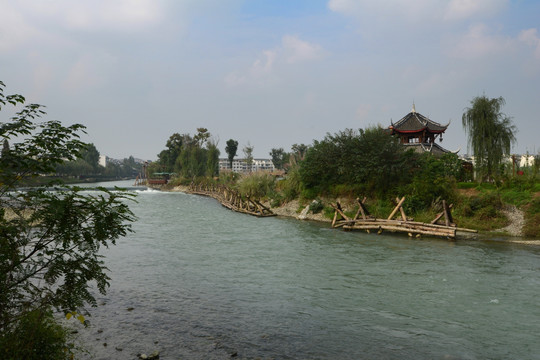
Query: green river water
x=197, y=281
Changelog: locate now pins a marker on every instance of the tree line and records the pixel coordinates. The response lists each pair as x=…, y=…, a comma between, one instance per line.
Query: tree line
x=87, y=164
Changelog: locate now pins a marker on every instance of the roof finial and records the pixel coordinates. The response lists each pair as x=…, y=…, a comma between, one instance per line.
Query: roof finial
x=413, y=107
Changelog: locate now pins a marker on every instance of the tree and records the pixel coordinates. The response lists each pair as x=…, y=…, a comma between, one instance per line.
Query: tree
x=231, y=149
x=369, y=157
x=248, y=153
x=490, y=134
x=279, y=157
x=212, y=159
x=167, y=158
x=202, y=136
x=50, y=235
x=90, y=154
x=299, y=151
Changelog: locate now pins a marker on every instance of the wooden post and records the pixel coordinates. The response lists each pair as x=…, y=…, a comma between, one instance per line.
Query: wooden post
x=440, y=215
x=396, y=208
x=447, y=214
x=403, y=216
x=361, y=209
x=340, y=210
x=335, y=218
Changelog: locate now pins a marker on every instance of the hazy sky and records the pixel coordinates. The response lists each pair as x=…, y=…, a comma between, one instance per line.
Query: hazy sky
x=269, y=72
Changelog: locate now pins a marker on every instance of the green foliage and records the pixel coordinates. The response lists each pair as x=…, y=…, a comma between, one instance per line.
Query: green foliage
x=467, y=185
x=516, y=196
x=482, y=211
x=316, y=206
x=279, y=158
x=50, y=238
x=167, y=158
x=212, y=159
x=189, y=157
x=369, y=157
x=248, y=154
x=490, y=134
x=202, y=136
x=532, y=218
x=231, y=149
x=298, y=153
x=91, y=155
x=35, y=336
x=433, y=181
x=256, y=185
x=291, y=186
x=228, y=178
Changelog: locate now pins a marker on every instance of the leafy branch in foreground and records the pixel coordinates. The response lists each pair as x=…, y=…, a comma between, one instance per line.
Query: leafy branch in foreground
x=51, y=235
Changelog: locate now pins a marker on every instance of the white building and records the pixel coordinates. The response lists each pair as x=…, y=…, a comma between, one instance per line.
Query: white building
x=526, y=161
x=103, y=160
x=240, y=165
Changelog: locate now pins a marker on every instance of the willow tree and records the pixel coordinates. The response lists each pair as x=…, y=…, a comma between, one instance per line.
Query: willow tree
x=490, y=134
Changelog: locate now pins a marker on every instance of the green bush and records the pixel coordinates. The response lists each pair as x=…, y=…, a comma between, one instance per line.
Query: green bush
x=316, y=206
x=489, y=199
x=38, y=336
x=256, y=185
x=516, y=197
x=291, y=186
x=467, y=185
x=532, y=219
x=309, y=194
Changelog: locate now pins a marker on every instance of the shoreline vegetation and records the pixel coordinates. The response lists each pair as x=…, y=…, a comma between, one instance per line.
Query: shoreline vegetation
x=492, y=196
x=511, y=232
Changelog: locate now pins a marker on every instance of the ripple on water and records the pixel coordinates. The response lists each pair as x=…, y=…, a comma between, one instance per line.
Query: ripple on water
x=205, y=283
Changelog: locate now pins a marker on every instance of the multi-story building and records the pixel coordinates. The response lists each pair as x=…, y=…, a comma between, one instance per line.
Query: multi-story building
x=241, y=166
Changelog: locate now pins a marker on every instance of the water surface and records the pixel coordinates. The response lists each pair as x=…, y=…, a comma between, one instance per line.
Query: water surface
x=202, y=282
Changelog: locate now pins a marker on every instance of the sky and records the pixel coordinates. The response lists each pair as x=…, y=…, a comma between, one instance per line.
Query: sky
x=269, y=73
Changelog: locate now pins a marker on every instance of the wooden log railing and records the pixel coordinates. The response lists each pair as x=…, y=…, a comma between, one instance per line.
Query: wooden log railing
x=402, y=224
x=231, y=199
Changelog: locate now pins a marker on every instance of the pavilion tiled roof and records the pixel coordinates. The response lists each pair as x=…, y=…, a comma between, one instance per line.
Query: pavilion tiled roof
x=415, y=122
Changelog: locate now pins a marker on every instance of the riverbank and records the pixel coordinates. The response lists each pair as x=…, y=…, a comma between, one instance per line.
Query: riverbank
x=294, y=209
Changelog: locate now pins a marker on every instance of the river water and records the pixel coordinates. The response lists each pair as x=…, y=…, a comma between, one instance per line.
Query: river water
x=197, y=281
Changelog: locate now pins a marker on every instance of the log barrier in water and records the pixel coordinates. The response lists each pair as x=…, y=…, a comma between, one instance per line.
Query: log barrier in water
x=364, y=221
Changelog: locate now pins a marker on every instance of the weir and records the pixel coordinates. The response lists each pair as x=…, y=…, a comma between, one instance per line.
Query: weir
x=364, y=221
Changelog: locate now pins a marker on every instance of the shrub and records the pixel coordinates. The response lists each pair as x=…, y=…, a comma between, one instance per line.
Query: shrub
x=316, y=206
x=36, y=335
x=291, y=186
x=467, y=185
x=532, y=219
x=256, y=185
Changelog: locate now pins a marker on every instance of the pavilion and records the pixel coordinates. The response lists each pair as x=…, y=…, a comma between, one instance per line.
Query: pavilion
x=419, y=133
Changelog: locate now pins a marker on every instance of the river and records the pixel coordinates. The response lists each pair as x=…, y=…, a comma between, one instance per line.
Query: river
x=197, y=281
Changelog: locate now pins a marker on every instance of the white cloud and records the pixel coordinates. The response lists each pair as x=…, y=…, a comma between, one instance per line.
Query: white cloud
x=297, y=51
x=530, y=37
x=258, y=72
x=462, y=9
x=124, y=15
x=292, y=51
x=478, y=42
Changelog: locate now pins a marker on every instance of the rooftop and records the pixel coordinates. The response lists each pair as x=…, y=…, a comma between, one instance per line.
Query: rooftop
x=415, y=122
